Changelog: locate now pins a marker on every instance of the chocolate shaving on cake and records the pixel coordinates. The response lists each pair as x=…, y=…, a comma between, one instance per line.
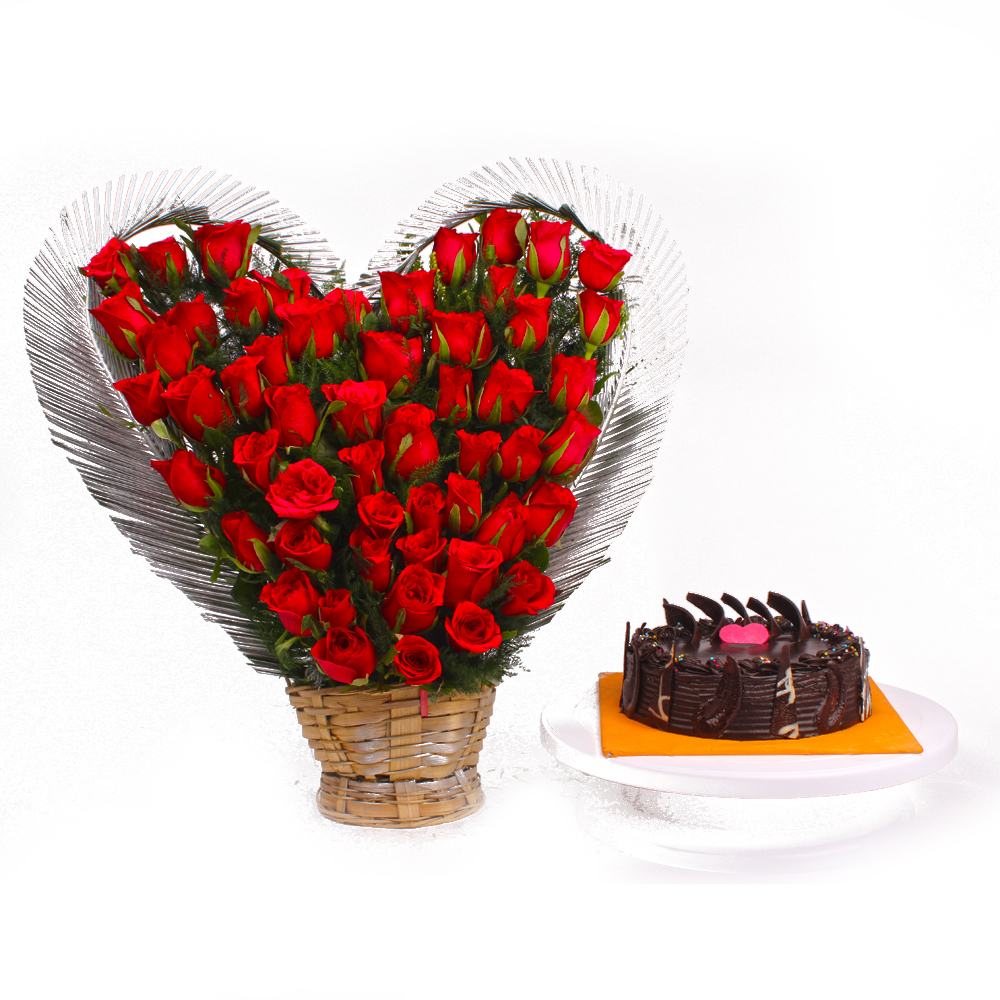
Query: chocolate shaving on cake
x=765, y=612
x=713, y=609
x=831, y=714
x=630, y=679
x=732, y=602
x=678, y=616
x=785, y=607
x=714, y=716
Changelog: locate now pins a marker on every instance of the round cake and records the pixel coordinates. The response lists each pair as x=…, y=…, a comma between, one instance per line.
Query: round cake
x=758, y=676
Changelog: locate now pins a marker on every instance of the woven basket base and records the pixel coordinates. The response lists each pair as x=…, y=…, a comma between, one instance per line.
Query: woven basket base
x=399, y=805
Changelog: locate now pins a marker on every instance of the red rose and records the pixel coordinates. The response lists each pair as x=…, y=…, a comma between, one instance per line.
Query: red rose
x=301, y=542
x=388, y=357
x=504, y=235
x=424, y=548
x=529, y=326
x=123, y=317
x=336, y=608
x=191, y=481
x=292, y=414
x=460, y=338
x=410, y=444
x=299, y=283
x=293, y=597
x=454, y=401
x=425, y=505
x=473, y=628
x=417, y=659
x=567, y=448
x=374, y=558
x=599, y=319
x=309, y=321
x=600, y=266
x=505, y=395
x=166, y=259
x=349, y=303
x=361, y=417
x=195, y=403
x=531, y=592
x=549, y=509
x=345, y=654
x=254, y=455
x=303, y=490
x=463, y=504
x=241, y=382
x=275, y=363
x=107, y=266
x=381, y=513
x=197, y=319
x=407, y=297
x=548, y=251
x=471, y=571
x=246, y=303
x=144, y=397
x=504, y=526
x=520, y=456
x=165, y=349
x=573, y=381
x=224, y=251
x=498, y=288
x=454, y=255
x=276, y=294
x=411, y=606
x=476, y=451
x=241, y=529
x=365, y=461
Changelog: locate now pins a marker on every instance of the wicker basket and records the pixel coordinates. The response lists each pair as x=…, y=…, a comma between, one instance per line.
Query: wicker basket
x=392, y=758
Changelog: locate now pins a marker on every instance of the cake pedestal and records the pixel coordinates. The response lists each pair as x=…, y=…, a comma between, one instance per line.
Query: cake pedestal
x=749, y=813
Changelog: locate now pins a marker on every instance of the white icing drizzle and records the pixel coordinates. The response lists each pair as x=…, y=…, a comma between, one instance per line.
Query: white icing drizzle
x=660, y=696
x=786, y=688
x=790, y=732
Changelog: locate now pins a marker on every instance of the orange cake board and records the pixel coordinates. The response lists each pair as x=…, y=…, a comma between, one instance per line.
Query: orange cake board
x=882, y=732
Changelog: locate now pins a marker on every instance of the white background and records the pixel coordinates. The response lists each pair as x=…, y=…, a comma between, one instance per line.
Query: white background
x=829, y=170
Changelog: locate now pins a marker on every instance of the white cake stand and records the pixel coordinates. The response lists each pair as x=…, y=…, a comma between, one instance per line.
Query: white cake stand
x=782, y=813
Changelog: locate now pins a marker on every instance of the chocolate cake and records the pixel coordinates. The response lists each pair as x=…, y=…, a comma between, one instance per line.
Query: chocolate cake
x=752, y=677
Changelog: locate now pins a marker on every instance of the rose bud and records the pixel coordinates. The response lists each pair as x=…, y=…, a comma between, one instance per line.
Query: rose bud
x=567, y=448
x=254, y=455
x=460, y=338
x=411, y=606
x=520, y=456
x=166, y=259
x=345, y=655
x=549, y=509
x=246, y=303
x=471, y=572
x=365, y=461
x=505, y=395
x=424, y=548
x=195, y=403
x=504, y=234
x=292, y=414
x=144, y=397
x=388, y=357
x=548, y=252
x=124, y=316
x=600, y=266
x=299, y=282
x=504, y=526
x=350, y=304
x=381, y=513
x=298, y=542
x=407, y=297
x=361, y=417
x=198, y=321
x=195, y=484
x=374, y=558
x=417, y=659
x=336, y=609
x=241, y=382
x=498, y=289
x=309, y=321
x=275, y=363
x=476, y=451
x=529, y=326
x=107, y=267
x=463, y=504
x=425, y=506
x=573, y=381
x=532, y=592
x=454, y=255
x=165, y=349
x=224, y=250
x=599, y=319
x=276, y=294
x=410, y=444
x=454, y=401
x=241, y=529
x=293, y=597
x=303, y=490
x=472, y=628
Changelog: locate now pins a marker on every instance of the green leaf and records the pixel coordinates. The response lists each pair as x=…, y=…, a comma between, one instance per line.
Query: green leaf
x=592, y=413
x=509, y=635
x=210, y=544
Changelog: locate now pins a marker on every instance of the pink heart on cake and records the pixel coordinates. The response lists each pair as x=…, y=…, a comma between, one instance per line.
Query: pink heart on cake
x=747, y=635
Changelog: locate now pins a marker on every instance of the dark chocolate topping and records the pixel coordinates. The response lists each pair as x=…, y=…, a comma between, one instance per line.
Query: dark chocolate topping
x=676, y=615
x=713, y=716
x=831, y=714
x=785, y=607
x=732, y=602
x=765, y=612
x=713, y=609
x=805, y=614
